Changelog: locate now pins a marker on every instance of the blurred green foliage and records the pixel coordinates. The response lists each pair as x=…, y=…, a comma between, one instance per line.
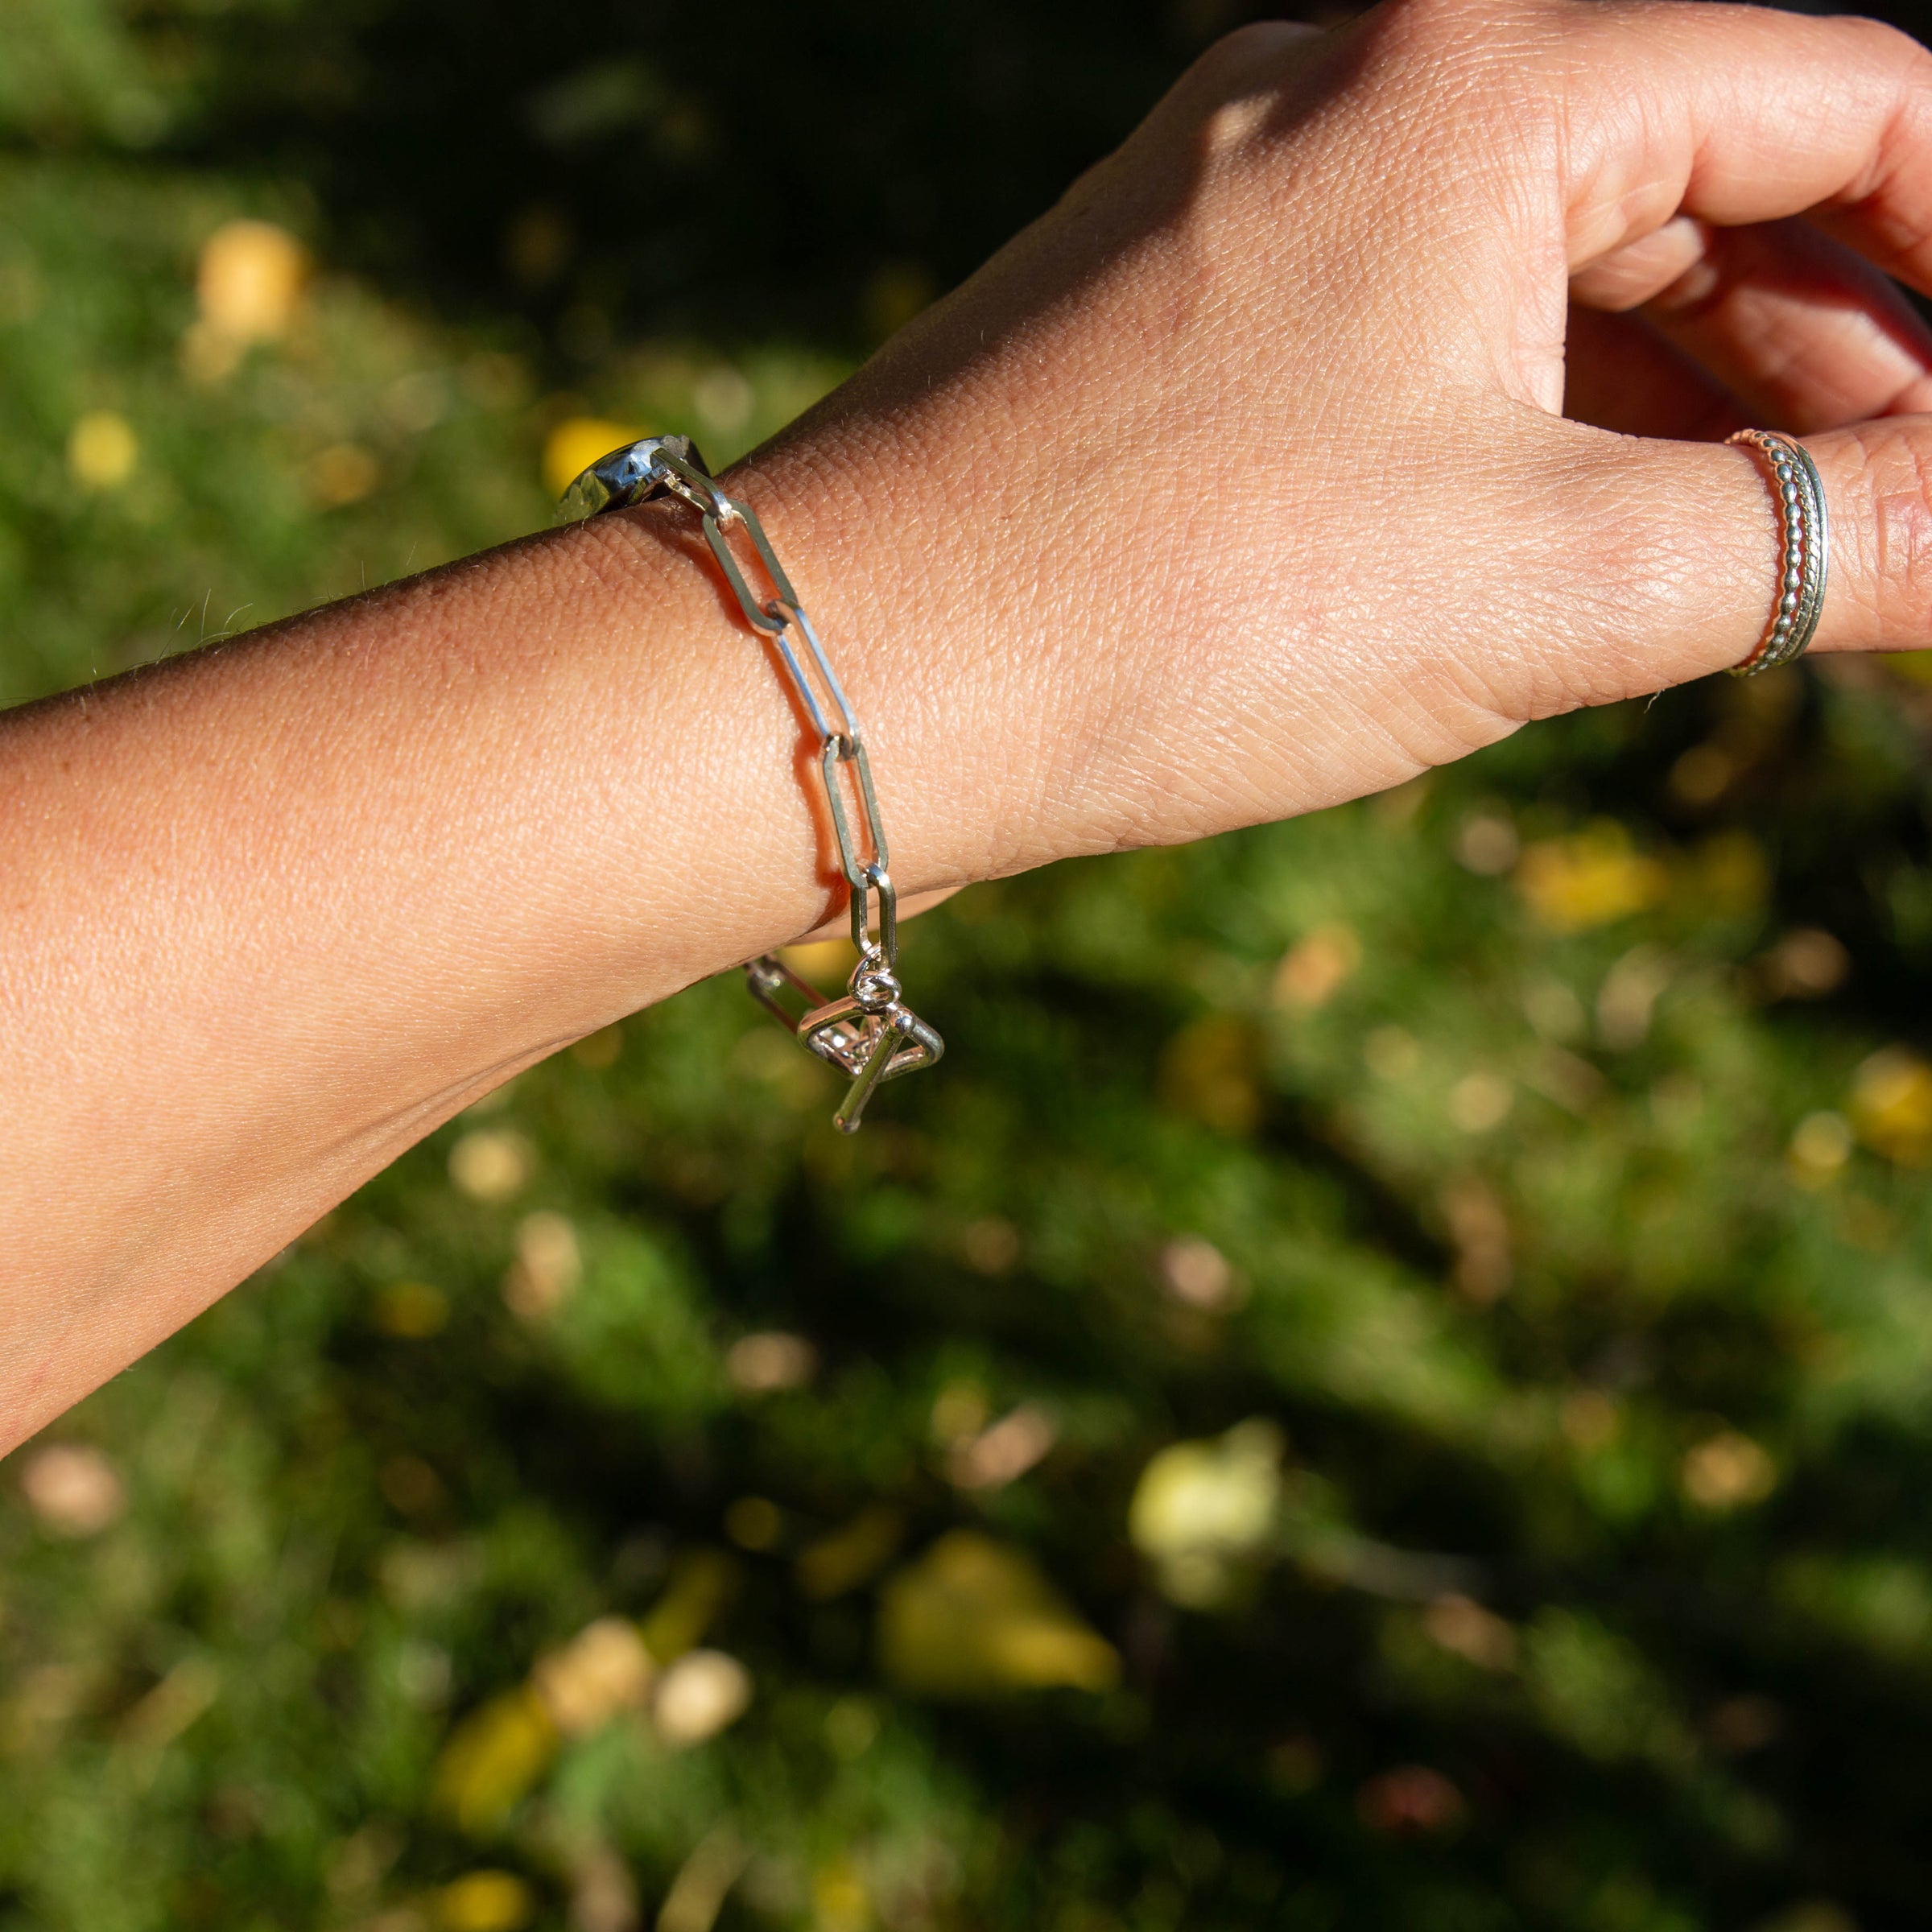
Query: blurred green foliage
x=1388, y=1381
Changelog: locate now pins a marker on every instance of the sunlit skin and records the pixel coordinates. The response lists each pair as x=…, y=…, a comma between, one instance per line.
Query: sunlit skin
x=1238, y=486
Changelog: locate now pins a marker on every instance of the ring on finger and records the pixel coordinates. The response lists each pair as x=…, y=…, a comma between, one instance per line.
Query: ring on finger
x=1804, y=550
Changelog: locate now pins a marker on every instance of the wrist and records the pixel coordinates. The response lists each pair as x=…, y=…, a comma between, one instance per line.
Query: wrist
x=977, y=718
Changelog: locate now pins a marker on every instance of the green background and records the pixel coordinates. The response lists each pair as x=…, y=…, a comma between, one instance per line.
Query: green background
x=1386, y=1383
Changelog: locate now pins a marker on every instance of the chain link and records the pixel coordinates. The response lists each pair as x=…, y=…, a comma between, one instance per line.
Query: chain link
x=871, y=1035
x=777, y=619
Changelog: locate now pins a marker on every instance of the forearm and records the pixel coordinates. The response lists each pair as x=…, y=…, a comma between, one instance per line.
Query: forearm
x=276, y=910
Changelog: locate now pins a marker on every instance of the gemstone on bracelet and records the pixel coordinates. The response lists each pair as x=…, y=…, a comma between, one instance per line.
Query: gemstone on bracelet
x=627, y=476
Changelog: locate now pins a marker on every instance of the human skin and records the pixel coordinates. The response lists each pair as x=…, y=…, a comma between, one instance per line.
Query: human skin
x=1238, y=486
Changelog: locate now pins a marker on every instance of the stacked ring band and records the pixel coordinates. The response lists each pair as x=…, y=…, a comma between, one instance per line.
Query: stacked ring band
x=1804, y=551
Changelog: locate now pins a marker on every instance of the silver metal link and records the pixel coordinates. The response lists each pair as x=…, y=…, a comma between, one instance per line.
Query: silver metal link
x=838, y=697
x=870, y=1034
x=888, y=912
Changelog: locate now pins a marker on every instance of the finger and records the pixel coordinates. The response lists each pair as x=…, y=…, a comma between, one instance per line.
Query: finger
x=1621, y=373
x=1677, y=554
x=1877, y=479
x=1805, y=332
x=1735, y=114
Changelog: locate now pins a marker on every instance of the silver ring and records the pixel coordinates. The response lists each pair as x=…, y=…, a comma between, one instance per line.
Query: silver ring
x=1804, y=559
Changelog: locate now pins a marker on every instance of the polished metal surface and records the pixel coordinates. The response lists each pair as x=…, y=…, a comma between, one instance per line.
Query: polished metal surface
x=629, y=475
x=870, y=1035
x=1804, y=551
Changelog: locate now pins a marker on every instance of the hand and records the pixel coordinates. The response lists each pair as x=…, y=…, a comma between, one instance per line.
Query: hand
x=1241, y=483
x=1237, y=485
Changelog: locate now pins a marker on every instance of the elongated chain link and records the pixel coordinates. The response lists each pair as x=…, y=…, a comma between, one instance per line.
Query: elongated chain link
x=838, y=745
x=870, y=1034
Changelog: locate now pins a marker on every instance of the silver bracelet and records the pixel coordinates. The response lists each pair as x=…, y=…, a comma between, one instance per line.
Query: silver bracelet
x=870, y=1035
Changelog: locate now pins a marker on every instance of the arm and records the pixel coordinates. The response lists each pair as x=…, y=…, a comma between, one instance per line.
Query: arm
x=279, y=908
x=1237, y=487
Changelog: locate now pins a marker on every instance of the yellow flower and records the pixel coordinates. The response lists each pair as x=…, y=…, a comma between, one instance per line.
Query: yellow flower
x=973, y=1618
x=1590, y=878
x=1891, y=1106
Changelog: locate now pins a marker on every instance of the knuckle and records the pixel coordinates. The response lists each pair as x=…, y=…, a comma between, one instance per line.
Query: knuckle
x=1249, y=85
x=1245, y=58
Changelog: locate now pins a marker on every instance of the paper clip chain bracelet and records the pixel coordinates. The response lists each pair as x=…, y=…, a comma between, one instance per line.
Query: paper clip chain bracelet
x=870, y=1034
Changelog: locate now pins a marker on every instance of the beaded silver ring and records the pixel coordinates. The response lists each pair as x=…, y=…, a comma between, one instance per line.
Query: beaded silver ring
x=1804, y=551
